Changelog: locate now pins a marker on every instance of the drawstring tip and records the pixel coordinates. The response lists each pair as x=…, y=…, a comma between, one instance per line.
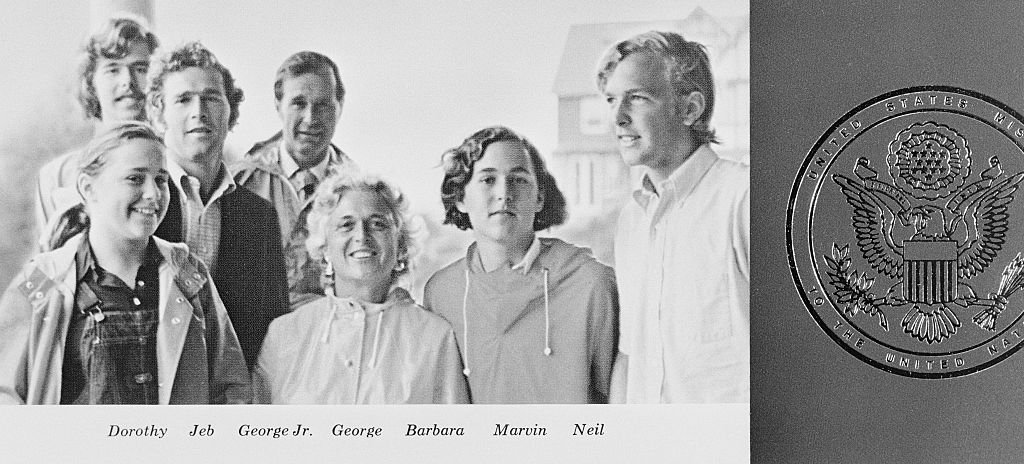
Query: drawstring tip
x=547, y=351
x=465, y=372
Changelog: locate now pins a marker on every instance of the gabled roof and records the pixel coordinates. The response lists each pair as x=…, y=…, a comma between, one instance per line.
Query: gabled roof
x=587, y=42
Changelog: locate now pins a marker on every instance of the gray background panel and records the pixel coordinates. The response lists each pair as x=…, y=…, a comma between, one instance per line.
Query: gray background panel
x=812, y=401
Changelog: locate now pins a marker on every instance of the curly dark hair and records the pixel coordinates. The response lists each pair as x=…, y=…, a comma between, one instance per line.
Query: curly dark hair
x=458, y=169
x=190, y=55
x=113, y=41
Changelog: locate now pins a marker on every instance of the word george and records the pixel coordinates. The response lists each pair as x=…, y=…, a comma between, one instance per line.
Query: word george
x=247, y=430
x=342, y=431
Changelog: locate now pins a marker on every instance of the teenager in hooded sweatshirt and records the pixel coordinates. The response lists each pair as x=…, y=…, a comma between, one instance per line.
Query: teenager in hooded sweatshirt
x=535, y=318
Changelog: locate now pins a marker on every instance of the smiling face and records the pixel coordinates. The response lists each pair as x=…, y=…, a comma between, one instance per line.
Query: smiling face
x=362, y=242
x=309, y=111
x=128, y=198
x=651, y=123
x=195, y=114
x=502, y=197
x=119, y=83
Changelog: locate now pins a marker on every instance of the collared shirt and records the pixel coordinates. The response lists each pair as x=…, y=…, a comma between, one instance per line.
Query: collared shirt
x=201, y=221
x=529, y=257
x=270, y=172
x=524, y=265
x=129, y=319
x=682, y=255
x=291, y=168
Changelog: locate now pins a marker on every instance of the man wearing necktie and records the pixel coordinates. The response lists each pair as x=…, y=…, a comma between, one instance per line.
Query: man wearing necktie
x=286, y=168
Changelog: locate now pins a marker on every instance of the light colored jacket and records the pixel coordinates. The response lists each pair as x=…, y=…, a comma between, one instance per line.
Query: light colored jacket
x=260, y=172
x=546, y=333
x=198, y=357
x=341, y=351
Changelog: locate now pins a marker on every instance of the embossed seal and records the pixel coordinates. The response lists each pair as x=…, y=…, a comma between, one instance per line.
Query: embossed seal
x=905, y=233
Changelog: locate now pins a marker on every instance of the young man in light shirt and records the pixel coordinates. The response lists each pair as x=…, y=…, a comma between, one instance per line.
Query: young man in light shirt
x=682, y=247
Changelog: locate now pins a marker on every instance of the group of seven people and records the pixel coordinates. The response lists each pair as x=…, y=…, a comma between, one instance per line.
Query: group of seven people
x=166, y=276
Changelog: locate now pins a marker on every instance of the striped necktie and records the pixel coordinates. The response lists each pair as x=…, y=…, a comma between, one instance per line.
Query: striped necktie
x=305, y=184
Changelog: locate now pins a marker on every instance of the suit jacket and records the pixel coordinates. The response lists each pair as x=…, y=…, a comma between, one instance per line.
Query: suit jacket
x=250, y=274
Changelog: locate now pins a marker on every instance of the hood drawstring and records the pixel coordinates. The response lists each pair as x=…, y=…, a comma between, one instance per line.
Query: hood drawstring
x=465, y=322
x=376, y=338
x=547, y=317
x=331, y=315
x=465, y=330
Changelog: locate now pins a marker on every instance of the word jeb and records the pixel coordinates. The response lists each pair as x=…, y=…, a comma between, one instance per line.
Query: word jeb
x=204, y=432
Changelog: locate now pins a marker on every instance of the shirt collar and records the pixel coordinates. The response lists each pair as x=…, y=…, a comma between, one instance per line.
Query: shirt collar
x=178, y=176
x=682, y=181
x=86, y=261
x=476, y=264
x=530, y=257
x=84, y=258
x=290, y=167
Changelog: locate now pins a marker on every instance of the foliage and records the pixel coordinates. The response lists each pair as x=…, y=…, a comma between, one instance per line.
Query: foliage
x=853, y=288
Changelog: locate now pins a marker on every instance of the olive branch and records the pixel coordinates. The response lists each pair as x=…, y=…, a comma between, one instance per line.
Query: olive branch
x=853, y=288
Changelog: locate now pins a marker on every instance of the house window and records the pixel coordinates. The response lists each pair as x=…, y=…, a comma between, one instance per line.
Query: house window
x=593, y=116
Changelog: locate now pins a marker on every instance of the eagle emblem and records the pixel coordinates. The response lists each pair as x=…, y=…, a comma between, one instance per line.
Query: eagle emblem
x=929, y=224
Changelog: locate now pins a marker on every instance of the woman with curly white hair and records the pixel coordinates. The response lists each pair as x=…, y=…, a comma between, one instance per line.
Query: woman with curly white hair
x=366, y=341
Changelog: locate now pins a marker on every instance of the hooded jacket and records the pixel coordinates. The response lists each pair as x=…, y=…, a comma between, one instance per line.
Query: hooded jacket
x=341, y=351
x=546, y=336
x=259, y=171
x=199, y=360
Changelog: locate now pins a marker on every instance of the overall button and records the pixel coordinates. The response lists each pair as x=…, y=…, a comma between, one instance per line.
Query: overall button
x=349, y=363
x=176, y=320
x=136, y=301
x=143, y=378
